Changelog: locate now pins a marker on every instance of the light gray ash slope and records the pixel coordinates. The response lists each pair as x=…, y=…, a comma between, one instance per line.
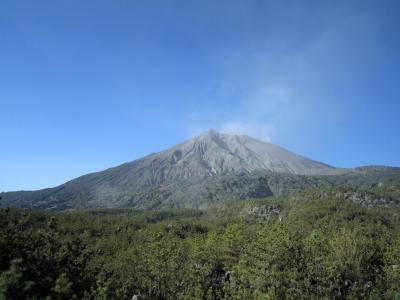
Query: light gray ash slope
x=213, y=153
x=180, y=176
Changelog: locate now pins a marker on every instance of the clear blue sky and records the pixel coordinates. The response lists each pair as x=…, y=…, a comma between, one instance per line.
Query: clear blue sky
x=86, y=85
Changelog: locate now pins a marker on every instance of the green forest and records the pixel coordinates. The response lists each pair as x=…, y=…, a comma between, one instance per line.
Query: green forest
x=315, y=247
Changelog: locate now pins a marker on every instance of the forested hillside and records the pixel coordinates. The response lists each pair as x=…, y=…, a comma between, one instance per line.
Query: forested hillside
x=318, y=244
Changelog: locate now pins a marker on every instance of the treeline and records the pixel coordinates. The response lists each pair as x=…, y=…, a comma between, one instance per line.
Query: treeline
x=322, y=249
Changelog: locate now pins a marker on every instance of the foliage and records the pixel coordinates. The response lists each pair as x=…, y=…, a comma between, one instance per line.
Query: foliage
x=322, y=248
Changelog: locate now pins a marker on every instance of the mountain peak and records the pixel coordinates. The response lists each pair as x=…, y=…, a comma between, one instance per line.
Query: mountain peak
x=212, y=133
x=214, y=153
x=208, y=133
x=209, y=156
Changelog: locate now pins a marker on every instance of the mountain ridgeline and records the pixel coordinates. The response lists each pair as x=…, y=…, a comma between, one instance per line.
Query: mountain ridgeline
x=210, y=168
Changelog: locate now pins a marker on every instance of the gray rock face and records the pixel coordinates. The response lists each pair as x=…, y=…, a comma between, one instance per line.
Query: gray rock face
x=211, y=167
x=213, y=153
x=264, y=211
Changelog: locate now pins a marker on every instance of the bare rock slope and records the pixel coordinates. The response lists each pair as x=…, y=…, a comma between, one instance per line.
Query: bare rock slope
x=213, y=153
x=195, y=173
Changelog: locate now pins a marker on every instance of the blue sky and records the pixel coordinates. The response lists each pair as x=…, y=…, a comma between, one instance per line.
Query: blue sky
x=86, y=85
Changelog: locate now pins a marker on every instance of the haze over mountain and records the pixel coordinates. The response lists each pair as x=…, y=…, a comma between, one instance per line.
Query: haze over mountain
x=208, y=168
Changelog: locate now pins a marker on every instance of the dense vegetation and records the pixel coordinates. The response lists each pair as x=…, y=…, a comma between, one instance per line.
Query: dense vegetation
x=276, y=248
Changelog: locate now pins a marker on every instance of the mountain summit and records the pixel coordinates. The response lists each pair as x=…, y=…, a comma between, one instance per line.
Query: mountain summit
x=213, y=153
x=179, y=172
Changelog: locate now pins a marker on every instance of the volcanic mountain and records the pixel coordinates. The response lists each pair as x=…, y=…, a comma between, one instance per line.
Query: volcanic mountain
x=198, y=172
x=213, y=153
